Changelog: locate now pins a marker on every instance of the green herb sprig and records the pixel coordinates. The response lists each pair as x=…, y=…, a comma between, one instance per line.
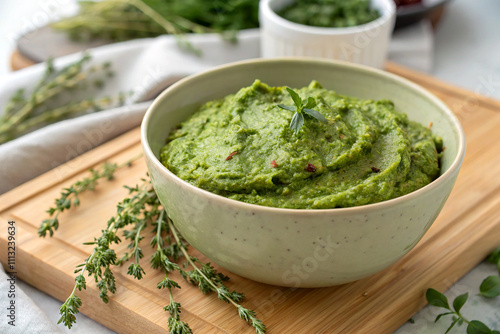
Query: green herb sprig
x=490, y=287
x=99, y=263
x=301, y=107
x=43, y=106
x=69, y=196
x=142, y=209
x=208, y=279
x=436, y=298
x=120, y=20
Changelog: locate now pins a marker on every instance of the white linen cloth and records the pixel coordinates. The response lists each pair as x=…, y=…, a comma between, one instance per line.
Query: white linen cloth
x=147, y=66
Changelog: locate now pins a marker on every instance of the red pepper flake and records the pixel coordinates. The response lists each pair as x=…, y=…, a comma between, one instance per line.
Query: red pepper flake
x=274, y=164
x=430, y=125
x=375, y=169
x=342, y=136
x=229, y=157
x=310, y=168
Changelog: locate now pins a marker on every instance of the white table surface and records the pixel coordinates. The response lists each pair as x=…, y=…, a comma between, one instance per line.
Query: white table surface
x=466, y=54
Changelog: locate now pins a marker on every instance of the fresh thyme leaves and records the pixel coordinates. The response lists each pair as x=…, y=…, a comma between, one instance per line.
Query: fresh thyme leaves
x=301, y=107
x=175, y=325
x=160, y=260
x=139, y=211
x=120, y=20
x=208, y=279
x=69, y=196
x=436, y=298
x=103, y=257
x=43, y=106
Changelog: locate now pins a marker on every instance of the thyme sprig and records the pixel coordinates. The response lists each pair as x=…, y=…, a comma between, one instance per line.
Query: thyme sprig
x=99, y=263
x=139, y=211
x=43, y=106
x=69, y=196
x=160, y=260
x=301, y=107
x=208, y=279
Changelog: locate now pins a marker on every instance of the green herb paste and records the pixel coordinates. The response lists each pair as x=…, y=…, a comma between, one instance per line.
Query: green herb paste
x=242, y=147
x=330, y=13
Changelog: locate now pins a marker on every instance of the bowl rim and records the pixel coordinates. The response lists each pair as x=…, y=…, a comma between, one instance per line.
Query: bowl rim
x=454, y=167
x=388, y=13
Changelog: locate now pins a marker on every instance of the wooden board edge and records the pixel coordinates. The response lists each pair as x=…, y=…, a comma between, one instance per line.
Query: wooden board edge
x=429, y=82
x=119, y=309
x=18, y=61
x=69, y=169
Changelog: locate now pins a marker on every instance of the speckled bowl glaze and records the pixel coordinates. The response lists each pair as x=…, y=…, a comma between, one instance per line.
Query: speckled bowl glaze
x=300, y=248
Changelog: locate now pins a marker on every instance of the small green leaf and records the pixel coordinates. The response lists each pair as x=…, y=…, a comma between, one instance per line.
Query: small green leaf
x=490, y=287
x=494, y=256
x=477, y=327
x=295, y=97
x=311, y=103
x=316, y=115
x=436, y=298
x=282, y=106
x=459, y=302
x=297, y=122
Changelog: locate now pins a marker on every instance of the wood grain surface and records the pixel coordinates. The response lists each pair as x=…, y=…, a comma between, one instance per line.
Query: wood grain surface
x=465, y=232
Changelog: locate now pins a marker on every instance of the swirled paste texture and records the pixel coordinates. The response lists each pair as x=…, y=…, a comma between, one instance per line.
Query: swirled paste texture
x=242, y=147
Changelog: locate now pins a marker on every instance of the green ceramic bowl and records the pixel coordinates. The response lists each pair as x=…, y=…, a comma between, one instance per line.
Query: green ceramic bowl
x=300, y=248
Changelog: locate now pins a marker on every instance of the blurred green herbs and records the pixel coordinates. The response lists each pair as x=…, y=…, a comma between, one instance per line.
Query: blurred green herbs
x=330, y=13
x=57, y=96
x=120, y=20
x=138, y=216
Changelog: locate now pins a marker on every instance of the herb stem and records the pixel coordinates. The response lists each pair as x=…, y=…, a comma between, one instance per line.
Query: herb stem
x=59, y=113
x=109, y=24
x=159, y=240
x=168, y=26
x=90, y=259
x=70, y=195
x=222, y=292
x=137, y=240
x=191, y=262
x=38, y=98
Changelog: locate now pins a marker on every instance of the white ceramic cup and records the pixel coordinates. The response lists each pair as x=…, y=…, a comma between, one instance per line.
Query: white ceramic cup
x=366, y=44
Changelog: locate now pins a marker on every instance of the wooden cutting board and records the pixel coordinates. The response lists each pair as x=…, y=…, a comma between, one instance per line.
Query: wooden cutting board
x=465, y=232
